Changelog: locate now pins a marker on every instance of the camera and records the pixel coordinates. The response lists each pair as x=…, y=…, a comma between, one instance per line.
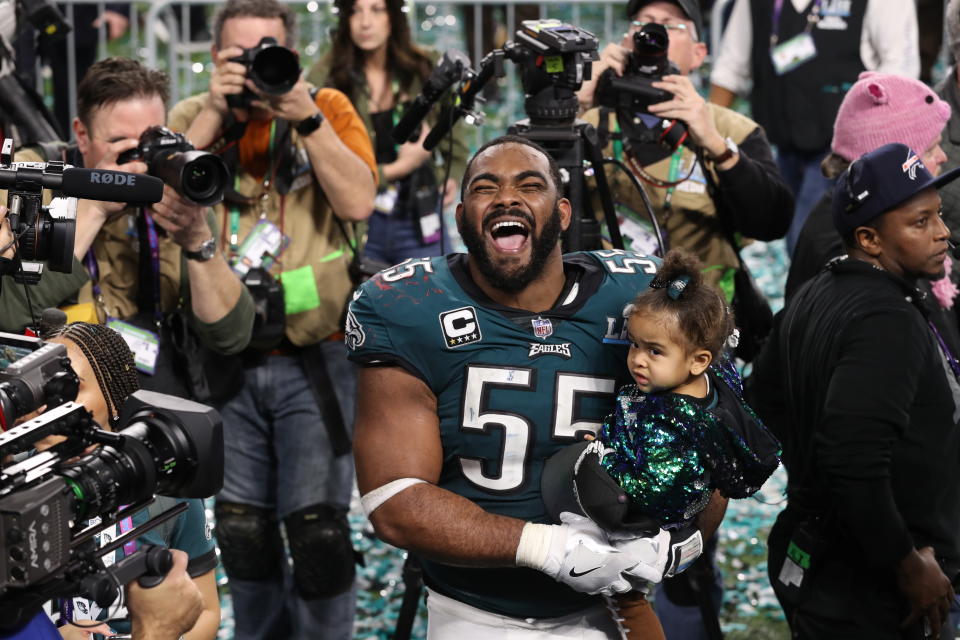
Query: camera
x=196, y=175
x=43, y=232
x=553, y=59
x=163, y=445
x=46, y=232
x=35, y=373
x=46, y=18
x=633, y=92
x=273, y=68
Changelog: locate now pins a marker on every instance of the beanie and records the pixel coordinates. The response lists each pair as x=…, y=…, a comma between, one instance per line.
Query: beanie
x=881, y=108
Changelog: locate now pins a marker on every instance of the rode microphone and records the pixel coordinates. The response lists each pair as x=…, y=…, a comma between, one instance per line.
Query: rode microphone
x=90, y=184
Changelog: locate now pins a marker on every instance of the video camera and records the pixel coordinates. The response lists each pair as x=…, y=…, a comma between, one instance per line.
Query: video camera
x=163, y=445
x=196, y=175
x=46, y=18
x=633, y=92
x=274, y=69
x=552, y=57
x=46, y=232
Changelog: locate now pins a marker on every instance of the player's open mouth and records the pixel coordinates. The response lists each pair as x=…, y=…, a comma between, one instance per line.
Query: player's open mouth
x=509, y=235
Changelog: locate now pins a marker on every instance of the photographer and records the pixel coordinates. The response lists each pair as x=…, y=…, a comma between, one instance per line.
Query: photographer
x=381, y=69
x=155, y=273
x=304, y=168
x=105, y=367
x=702, y=207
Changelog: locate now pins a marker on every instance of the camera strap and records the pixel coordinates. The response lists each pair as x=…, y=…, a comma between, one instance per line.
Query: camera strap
x=672, y=180
x=149, y=266
x=148, y=298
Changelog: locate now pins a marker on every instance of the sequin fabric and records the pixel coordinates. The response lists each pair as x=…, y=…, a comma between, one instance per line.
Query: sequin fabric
x=669, y=454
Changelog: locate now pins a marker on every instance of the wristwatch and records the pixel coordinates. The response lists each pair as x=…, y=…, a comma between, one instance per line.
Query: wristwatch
x=731, y=149
x=207, y=250
x=309, y=124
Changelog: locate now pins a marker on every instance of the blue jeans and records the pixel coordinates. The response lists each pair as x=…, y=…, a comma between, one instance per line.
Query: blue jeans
x=278, y=456
x=391, y=239
x=801, y=172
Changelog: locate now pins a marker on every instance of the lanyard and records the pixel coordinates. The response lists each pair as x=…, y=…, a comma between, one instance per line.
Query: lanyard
x=951, y=360
x=90, y=262
x=154, y=242
x=126, y=525
x=268, y=179
x=672, y=177
x=812, y=19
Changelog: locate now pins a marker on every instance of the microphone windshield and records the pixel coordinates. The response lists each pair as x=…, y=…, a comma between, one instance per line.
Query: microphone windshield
x=112, y=186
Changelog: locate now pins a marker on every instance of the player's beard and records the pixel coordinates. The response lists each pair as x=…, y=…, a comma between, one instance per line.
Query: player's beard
x=542, y=241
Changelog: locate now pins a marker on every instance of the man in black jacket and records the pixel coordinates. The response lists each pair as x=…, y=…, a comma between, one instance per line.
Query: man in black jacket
x=862, y=392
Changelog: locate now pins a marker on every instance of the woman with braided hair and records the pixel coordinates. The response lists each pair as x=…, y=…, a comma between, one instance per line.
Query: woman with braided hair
x=104, y=364
x=98, y=350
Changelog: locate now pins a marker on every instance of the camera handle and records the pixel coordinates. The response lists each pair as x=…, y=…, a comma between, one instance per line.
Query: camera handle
x=148, y=565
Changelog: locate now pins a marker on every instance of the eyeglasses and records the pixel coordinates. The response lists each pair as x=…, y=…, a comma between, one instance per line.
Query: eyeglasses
x=636, y=25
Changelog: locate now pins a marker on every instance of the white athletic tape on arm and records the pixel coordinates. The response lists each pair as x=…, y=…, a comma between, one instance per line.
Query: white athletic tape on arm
x=534, y=545
x=378, y=496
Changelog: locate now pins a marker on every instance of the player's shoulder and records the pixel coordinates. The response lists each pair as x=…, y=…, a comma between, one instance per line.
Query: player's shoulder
x=617, y=266
x=410, y=282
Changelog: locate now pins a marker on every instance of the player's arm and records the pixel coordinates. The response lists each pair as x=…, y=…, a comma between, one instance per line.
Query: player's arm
x=398, y=436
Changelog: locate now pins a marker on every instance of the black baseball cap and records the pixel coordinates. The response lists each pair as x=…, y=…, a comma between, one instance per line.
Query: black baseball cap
x=879, y=181
x=689, y=7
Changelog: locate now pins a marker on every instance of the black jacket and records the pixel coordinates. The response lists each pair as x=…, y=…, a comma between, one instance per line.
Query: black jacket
x=854, y=384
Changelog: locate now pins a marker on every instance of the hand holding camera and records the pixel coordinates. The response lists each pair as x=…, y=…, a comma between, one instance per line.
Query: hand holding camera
x=293, y=106
x=92, y=214
x=185, y=221
x=228, y=79
x=689, y=107
x=168, y=610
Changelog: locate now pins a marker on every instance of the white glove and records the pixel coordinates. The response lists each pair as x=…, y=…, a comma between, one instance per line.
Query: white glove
x=650, y=552
x=575, y=553
x=661, y=556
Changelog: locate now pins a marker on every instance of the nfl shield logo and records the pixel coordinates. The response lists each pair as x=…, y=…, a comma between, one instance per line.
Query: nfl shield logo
x=542, y=328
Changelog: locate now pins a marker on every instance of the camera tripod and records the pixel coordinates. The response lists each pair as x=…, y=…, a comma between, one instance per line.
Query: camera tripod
x=570, y=145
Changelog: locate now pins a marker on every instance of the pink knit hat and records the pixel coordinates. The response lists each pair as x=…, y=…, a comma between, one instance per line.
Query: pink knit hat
x=881, y=108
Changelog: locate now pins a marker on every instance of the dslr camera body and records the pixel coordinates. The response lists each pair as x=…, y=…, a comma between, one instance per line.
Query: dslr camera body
x=273, y=68
x=196, y=175
x=633, y=92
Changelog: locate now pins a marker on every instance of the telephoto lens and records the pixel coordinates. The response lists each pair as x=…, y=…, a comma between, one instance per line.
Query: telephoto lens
x=274, y=69
x=196, y=175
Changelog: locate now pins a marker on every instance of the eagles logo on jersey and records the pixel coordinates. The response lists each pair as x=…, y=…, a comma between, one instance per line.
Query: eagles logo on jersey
x=512, y=388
